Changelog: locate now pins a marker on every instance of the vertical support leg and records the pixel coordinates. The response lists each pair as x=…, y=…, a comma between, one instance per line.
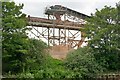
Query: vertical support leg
x=59, y=36
x=48, y=37
x=48, y=16
x=65, y=35
x=68, y=38
x=65, y=30
x=53, y=29
x=53, y=36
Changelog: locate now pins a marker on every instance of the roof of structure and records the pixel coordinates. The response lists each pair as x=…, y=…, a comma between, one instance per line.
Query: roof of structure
x=62, y=10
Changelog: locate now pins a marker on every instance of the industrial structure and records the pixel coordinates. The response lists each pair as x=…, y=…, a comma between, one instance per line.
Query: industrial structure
x=61, y=28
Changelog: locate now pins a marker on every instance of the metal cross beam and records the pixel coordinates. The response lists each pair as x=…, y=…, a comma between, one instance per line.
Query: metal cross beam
x=61, y=28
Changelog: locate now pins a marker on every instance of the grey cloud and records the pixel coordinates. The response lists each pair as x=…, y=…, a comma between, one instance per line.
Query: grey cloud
x=36, y=8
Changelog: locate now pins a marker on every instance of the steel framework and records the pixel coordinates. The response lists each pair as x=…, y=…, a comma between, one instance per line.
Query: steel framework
x=61, y=28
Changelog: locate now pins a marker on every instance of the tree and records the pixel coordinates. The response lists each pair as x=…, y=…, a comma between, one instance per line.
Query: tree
x=14, y=39
x=37, y=55
x=83, y=63
x=103, y=31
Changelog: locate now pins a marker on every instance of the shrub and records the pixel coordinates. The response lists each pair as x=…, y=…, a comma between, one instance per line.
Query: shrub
x=83, y=63
x=36, y=56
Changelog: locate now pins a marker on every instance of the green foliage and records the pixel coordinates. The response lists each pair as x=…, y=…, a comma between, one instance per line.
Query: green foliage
x=83, y=63
x=53, y=68
x=28, y=58
x=37, y=55
x=14, y=40
x=104, y=31
x=20, y=53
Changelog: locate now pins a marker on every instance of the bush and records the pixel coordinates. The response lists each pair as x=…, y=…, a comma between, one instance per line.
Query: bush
x=25, y=75
x=36, y=56
x=54, y=68
x=83, y=63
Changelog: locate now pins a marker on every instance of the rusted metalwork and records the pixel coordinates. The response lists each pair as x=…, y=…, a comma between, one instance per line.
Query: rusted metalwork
x=58, y=29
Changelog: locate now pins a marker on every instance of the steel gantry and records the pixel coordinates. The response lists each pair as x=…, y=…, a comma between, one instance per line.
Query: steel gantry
x=62, y=27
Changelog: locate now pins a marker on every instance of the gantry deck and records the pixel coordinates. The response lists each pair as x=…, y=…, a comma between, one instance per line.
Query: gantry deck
x=42, y=22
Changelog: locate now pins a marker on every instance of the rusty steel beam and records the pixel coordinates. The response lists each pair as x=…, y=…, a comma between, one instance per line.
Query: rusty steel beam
x=37, y=24
x=68, y=28
x=41, y=22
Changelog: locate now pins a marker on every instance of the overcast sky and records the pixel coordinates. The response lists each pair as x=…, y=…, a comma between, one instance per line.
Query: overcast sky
x=36, y=7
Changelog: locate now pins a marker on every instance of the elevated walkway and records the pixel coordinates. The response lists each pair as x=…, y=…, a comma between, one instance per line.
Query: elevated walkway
x=42, y=22
x=63, y=35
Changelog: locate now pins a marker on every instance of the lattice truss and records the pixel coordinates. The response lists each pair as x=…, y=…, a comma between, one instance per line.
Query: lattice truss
x=61, y=28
